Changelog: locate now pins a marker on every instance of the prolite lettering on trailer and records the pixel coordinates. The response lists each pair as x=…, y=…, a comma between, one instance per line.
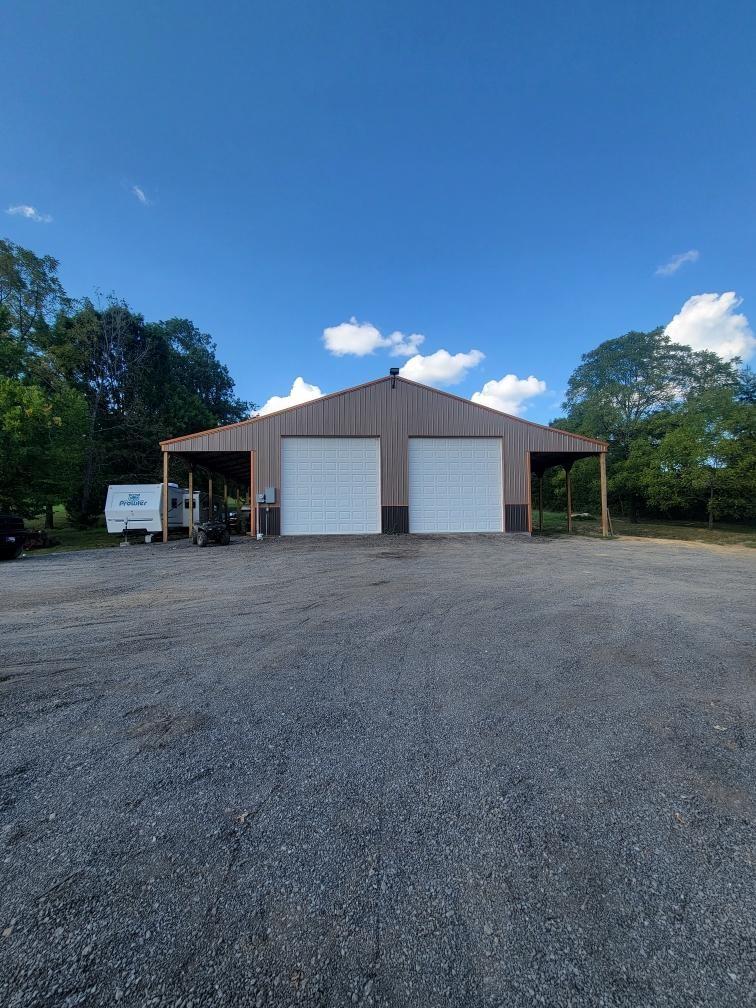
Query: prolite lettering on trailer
x=133, y=500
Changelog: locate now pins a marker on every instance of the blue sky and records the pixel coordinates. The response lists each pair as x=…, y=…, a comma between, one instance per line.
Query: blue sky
x=500, y=178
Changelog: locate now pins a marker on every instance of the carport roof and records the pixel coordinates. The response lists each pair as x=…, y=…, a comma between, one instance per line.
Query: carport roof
x=234, y=465
x=540, y=461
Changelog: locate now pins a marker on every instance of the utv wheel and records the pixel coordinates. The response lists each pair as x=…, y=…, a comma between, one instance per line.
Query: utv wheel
x=225, y=538
x=201, y=537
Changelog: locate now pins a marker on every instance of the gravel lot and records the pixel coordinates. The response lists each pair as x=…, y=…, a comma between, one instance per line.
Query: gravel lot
x=401, y=771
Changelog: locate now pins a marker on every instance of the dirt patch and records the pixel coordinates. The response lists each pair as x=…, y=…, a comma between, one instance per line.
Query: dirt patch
x=690, y=544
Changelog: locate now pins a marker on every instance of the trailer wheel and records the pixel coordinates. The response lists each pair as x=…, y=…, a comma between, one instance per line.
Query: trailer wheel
x=201, y=537
x=225, y=538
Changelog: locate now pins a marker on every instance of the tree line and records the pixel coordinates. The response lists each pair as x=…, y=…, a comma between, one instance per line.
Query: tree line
x=87, y=391
x=681, y=428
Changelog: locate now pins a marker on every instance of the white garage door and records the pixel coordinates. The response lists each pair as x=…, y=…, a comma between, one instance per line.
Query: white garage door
x=330, y=486
x=455, y=485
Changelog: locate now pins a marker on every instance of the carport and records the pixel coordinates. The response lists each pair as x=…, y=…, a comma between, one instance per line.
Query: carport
x=235, y=468
x=540, y=461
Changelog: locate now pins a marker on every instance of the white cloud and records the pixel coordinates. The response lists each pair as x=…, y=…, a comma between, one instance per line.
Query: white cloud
x=352, y=337
x=403, y=346
x=674, y=264
x=509, y=393
x=140, y=195
x=362, y=338
x=300, y=392
x=441, y=367
x=30, y=213
x=710, y=322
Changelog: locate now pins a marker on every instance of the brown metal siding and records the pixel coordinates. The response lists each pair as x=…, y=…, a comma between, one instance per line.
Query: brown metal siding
x=394, y=415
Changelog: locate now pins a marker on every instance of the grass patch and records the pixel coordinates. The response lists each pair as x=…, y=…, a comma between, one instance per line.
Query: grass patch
x=70, y=537
x=723, y=534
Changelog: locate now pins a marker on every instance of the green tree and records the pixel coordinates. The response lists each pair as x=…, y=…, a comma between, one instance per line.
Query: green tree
x=617, y=391
x=624, y=381
x=200, y=392
x=142, y=383
x=111, y=358
x=89, y=393
x=13, y=350
x=40, y=435
x=40, y=415
x=30, y=290
x=705, y=461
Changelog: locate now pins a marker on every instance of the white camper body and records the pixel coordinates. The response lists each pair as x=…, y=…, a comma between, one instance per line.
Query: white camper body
x=138, y=507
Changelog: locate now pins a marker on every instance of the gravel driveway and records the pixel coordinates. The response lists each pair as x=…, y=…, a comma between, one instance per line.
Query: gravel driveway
x=408, y=771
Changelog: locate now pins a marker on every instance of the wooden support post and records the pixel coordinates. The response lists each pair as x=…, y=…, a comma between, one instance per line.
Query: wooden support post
x=191, y=500
x=252, y=512
x=604, y=505
x=540, y=503
x=210, y=498
x=569, y=497
x=165, y=496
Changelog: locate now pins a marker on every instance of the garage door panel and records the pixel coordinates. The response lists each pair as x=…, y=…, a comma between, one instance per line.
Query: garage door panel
x=330, y=486
x=455, y=485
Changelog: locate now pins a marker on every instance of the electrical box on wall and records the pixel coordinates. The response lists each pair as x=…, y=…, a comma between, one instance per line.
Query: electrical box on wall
x=267, y=497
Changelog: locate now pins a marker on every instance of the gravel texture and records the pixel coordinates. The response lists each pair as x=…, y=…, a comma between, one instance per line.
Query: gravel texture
x=399, y=771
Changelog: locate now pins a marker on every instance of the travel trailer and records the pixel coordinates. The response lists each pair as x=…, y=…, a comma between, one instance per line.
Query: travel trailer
x=138, y=507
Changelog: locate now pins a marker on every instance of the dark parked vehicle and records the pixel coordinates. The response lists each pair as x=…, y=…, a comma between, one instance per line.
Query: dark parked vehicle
x=215, y=529
x=211, y=531
x=238, y=520
x=12, y=536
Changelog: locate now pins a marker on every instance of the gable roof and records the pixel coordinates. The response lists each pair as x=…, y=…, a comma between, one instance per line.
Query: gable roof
x=377, y=381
